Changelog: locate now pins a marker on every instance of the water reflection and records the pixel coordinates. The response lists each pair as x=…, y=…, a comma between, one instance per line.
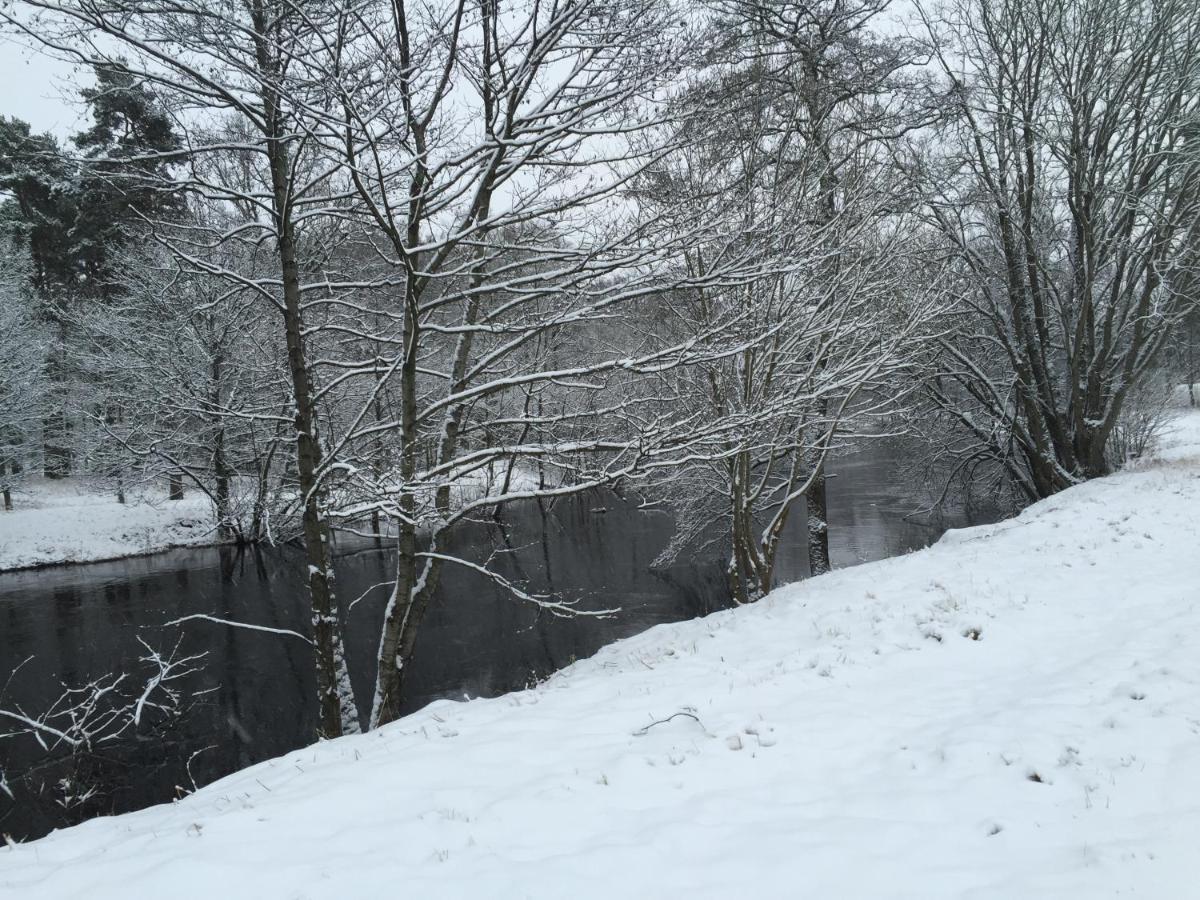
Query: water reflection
x=76, y=622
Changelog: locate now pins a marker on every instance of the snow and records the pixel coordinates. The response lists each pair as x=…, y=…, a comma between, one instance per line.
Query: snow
x=1014, y=712
x=470, y=484
x=1179, y=441
x=63, y=521
x=66, y=521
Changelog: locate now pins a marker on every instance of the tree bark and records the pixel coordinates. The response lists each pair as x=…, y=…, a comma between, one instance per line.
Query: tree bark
x=56, y=428
x=818, y=524
x=336, y=710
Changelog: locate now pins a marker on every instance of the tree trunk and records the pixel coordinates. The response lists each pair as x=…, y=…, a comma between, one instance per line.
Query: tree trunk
x=406, y=605
x=225, y=527
x=412, y=593
x=389, y=685
x=818, y=524
x=6, y=466
x=336, y=710
x=175, y=486
x=56, y=444
x=333, y=696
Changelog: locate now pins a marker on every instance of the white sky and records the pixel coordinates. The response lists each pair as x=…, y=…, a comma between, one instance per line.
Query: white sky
x=39, y=89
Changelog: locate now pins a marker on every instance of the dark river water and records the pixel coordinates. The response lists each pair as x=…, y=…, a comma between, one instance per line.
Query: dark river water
x=75, y=623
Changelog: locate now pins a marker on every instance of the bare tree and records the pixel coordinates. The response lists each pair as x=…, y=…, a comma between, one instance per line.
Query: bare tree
x=1068, y=190
x=443, y=189
x=495, y=183
x=200, y=390
x=474, y=298
x=820, y=336
x=838, y=97
x=235, y=74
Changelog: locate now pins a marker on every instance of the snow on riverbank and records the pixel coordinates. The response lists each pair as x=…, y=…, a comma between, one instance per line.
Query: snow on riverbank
x=62, y=521
x=1012, y=713
x=56, y=522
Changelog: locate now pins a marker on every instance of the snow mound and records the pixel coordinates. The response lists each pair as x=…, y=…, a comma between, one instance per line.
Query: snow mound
x=1012, y=713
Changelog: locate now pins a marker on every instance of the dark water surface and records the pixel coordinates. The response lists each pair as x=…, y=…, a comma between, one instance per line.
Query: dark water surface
x=75, y=623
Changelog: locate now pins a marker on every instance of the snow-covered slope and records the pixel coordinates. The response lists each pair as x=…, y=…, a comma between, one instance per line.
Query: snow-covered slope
x=1013, y=713
x=63, y=522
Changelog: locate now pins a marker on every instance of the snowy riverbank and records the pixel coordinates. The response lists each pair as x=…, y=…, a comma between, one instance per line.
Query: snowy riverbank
x=57, y=522
x=1014, y=712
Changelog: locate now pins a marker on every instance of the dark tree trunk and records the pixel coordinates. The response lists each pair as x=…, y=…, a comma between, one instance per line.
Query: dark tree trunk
x=407, y=604
x=818, y=524
x=336, y=712
x=411, y=600
x=225, y=527
x=56, y=428
x=326, y=637
x=56, y=452
x=8, y=465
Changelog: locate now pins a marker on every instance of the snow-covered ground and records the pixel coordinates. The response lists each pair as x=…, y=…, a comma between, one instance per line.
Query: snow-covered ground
x=1013, y=713
x=67, y=521
x=64, y=521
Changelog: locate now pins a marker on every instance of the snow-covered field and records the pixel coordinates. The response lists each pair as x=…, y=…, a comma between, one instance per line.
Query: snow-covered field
x=64, y=521
x=1013, y=713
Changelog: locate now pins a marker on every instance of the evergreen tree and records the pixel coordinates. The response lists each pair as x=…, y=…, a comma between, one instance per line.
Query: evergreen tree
x=124, y=171
x=39, y=181
x=73, y=213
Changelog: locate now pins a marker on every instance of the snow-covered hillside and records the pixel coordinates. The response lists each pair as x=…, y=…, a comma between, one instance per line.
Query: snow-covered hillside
x=1013, y=713
x=64, y=522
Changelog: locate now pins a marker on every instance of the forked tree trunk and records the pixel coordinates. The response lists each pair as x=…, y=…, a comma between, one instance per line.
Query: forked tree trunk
x=417, y=579
x=336, y=710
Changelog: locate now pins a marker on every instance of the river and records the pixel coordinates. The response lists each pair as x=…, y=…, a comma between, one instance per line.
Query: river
x=74, y=623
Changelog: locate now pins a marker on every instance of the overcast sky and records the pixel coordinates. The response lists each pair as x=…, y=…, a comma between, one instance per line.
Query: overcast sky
x=35, y=87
